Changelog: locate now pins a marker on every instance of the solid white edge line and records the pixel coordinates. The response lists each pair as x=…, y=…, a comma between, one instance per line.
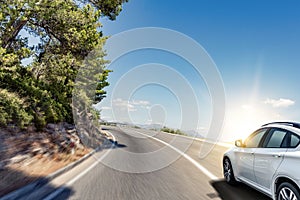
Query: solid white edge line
x=194, y=162
x=72, y=181
x=223, y=144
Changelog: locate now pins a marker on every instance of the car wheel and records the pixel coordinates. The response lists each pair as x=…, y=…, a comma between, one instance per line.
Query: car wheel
x=228, y=172
x=287, y=191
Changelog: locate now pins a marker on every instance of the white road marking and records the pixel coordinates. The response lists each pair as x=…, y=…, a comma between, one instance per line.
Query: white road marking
x=223, y=144
x=72, y=181
x=194, y=162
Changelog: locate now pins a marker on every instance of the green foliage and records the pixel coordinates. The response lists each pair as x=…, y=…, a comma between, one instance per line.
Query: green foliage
x=67, y=32
x=39, y=121
x=108, y=7
x=102, y=83
x=169, y=130
x=13, y=110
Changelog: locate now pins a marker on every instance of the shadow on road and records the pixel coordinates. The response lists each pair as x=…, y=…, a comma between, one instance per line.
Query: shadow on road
x=237, y=192
x=117, y=145
x=108, y=145
x=31, y=187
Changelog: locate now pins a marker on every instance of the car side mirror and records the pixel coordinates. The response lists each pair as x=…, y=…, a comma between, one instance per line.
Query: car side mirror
x=239, y=143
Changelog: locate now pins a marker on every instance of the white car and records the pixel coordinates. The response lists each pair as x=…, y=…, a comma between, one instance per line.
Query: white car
x=268, y=160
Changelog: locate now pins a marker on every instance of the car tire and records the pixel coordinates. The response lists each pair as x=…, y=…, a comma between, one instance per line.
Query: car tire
x=228, y=172
x=287, y=191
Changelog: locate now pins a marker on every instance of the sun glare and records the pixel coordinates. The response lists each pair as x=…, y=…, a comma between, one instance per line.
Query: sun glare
x=243, y=120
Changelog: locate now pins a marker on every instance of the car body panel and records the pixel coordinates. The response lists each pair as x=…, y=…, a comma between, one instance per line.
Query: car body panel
x=262, y=167
x=245, y=159
x=266, y=163
x=231, y=155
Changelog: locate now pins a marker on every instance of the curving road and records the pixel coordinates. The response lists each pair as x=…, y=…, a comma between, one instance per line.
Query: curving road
x=148, y=165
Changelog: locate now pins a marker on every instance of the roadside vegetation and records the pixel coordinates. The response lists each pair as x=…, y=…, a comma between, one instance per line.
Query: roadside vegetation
x=173, y=131
x=42, y=46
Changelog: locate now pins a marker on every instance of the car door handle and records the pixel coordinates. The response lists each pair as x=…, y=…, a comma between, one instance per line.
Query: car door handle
x=277, y=155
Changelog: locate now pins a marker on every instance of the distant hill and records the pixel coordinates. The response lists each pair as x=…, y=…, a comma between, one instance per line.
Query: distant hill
x=193, y=133
x=151, y=126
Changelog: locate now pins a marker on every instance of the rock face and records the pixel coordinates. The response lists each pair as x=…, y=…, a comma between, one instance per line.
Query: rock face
x=20, y=146
x=28, y=155
x=65, y=135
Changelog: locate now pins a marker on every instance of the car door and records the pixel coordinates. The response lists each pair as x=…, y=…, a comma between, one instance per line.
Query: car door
x=245, y=155
x=291, y=162
x=268, y=158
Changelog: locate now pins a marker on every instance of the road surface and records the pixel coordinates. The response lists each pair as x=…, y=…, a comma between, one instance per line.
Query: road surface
x=132, y=170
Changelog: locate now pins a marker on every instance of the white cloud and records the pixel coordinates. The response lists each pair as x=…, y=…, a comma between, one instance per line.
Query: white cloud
x=280, y=103
x=106, y=118
x=140, y=102
x=130, y=105
x=105, y=108
x=123, y=105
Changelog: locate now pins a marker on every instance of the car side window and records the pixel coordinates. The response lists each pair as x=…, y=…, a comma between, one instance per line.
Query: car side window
x=254, y=139
x=295, y=140
x=276, y=139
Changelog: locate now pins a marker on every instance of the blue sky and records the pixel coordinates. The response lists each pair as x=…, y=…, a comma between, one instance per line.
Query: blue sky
x=254, y=44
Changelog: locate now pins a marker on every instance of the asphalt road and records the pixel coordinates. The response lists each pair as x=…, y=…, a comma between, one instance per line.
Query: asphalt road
x=140, y=167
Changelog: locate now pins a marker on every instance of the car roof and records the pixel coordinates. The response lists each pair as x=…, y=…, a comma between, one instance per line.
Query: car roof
x=290, y=126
